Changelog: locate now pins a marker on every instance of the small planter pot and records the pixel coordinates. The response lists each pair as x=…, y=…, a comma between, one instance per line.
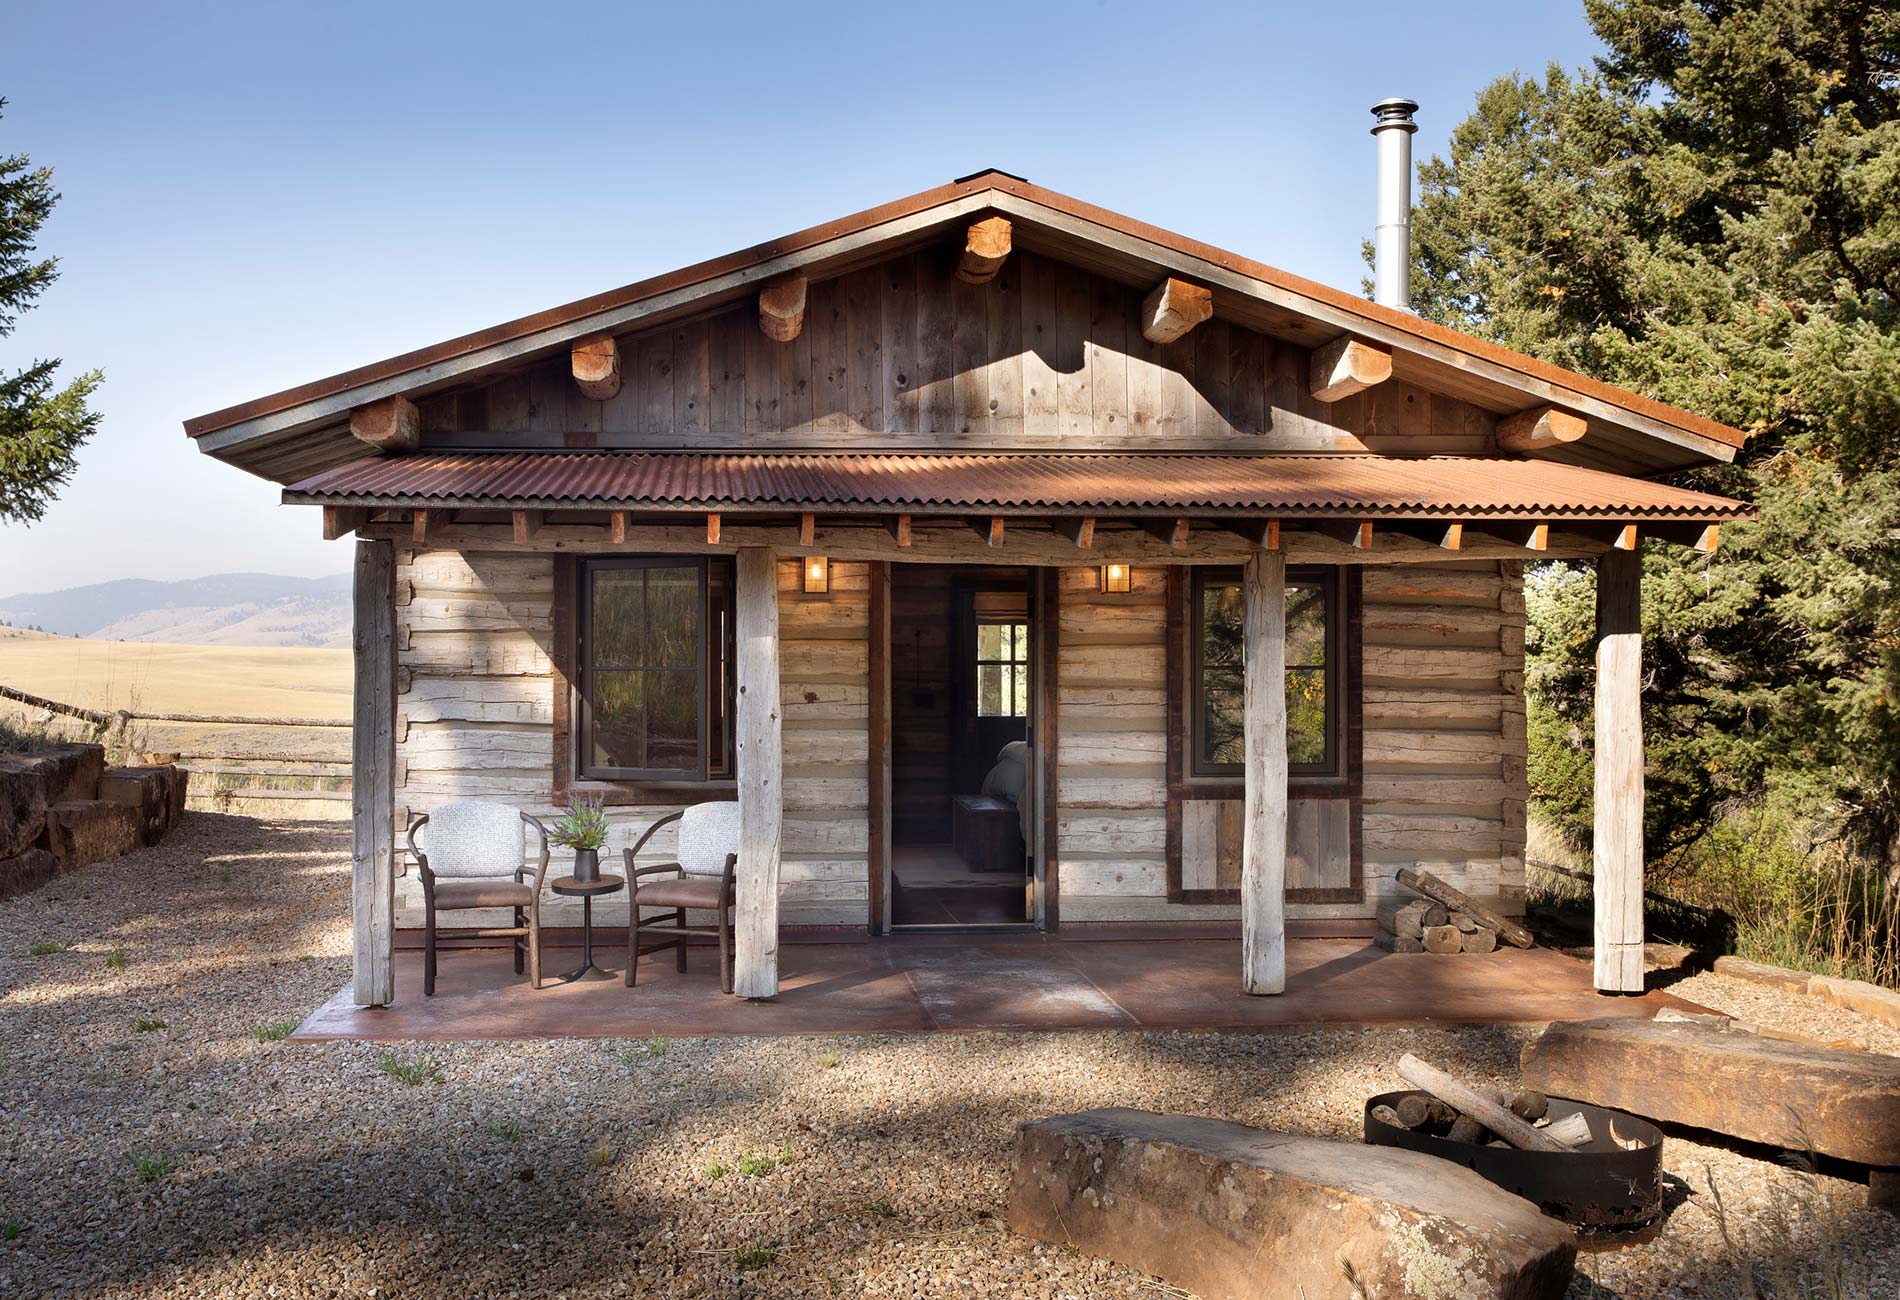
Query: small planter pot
x=587, y=865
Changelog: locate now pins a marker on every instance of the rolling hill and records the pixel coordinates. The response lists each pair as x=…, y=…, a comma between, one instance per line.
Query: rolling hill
x=235, y=609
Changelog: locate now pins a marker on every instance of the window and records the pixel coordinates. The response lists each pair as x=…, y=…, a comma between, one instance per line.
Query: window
x=1002, y=670
x=1217, y=696
x=654, y=658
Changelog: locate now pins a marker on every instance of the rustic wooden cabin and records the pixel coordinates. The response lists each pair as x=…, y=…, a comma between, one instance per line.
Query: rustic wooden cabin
x=1227, y=564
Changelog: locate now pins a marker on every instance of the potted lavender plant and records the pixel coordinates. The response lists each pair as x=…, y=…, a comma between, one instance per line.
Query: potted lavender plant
x=583, y=828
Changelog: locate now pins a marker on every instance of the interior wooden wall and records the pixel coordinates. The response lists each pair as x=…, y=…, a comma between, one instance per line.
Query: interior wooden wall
x=922, y=695
x=1045, y=354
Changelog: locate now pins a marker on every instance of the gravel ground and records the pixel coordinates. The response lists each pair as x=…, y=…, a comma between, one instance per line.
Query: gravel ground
x=709, y=1167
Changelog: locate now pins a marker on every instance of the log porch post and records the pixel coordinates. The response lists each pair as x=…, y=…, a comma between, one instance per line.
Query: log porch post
x=760, y=755
x=372, y=776
x=1263, y=854
x=1619, y=774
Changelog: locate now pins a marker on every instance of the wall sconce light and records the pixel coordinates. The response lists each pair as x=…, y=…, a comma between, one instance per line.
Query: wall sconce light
x=817, y=575
x=1116, y=578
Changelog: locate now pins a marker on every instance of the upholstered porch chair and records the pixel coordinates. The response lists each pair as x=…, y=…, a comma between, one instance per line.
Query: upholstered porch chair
x=701, y=880
x=475, y=859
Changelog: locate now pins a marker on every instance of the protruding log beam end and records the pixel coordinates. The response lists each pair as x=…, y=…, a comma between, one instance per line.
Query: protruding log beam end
x=712, y=530
x=341, y=521
x=617, y=525
x=1172, y=533
x=596, y=363
x=392, y=425
x=527, y=523
x=1701, y=538
x=1354, y=533
x=782, y=308
x=1080, y=530
x=985, y=249
x=1172, y=308
x=423, y=525
x=989, y=528
x=900, y=529
x=1539, y=429
x=1346, y=366
x=807, y=529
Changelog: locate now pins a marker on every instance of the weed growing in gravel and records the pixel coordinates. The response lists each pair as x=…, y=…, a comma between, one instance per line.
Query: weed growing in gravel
x=47, y=947
x=414, y=1071
x=751, y=1257
x=150, y=1166
x=9, y=1231
x=147, y=1024
x=757, y=1164
x=273, y=1031
x=714, y=1170
x=118, y=960
x=828, y=1059
x=652, y=1050
x=508, y=1130
x=602, y=1155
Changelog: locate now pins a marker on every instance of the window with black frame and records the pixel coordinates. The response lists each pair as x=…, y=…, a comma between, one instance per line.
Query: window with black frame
x=1217, y=687
x=654, y=657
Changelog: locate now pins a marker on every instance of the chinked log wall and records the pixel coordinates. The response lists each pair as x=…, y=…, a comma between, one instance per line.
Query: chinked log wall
x=1043, y=355
x=1443, y=750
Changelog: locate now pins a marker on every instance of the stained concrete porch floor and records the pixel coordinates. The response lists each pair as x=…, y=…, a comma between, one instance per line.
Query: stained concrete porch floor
x=968, y=982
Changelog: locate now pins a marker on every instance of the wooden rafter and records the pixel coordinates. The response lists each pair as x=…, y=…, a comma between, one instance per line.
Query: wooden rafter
x=985, y=249
x=782, y=308
x=1346, y=366
x=1697, y=537
x=1445, y=534
x=900, y=529
x=1079, y=529
x=391, y=425
x=1539, y=429
x=1172, y=308
x=617, y=525
x=1264, y=533
x=1172, y=532
x=341, y=521
x=989, y=528
x=526, y=524
x=1354, y=533
x=807, y=529
x=424, y=523
x=596, y=364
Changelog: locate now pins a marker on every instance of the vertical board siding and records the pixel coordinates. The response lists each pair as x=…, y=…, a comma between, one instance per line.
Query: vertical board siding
x=475, y=719
x=1044, y=354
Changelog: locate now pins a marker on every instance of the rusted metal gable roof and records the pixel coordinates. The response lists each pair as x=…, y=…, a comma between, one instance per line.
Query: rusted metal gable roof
x=1290, y=485
x=257, y=434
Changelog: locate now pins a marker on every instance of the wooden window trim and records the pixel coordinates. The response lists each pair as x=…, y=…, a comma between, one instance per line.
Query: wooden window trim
x=1347, y=785
x=567, y=783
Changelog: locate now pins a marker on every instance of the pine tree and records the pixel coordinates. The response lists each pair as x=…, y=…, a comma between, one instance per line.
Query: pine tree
x=1711, y=215
x=41, y=427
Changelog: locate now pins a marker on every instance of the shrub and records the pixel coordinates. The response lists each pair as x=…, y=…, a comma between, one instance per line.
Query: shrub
x=118, y=960
x=274, y=1031
x=150, y=1166
x=47, y=947
x=147, y=1024
x=756, y=1256
x=414, y=1071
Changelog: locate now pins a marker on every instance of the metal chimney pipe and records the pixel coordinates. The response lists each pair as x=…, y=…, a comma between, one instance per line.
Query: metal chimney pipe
x=1392, y=239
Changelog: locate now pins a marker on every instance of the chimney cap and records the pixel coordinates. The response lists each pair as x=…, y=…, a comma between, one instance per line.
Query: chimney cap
x=1395, y=112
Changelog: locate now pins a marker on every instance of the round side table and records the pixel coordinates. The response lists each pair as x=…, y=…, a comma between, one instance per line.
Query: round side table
x=587, y=891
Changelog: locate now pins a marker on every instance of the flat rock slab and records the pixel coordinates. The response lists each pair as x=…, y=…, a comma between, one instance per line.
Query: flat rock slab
x=86, y=831
x=156, y=793
x=31, y=783
x=1871, y=1000
x=1238, y=1213
x=1794, y=1095
x=1780, y=977
x=26, y=872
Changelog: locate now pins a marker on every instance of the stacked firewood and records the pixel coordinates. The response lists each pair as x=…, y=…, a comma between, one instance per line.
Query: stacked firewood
x=1444, y=920
x=1446, y=1107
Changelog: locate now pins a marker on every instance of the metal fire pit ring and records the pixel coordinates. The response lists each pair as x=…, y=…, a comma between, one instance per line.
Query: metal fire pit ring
x=1600, y=1185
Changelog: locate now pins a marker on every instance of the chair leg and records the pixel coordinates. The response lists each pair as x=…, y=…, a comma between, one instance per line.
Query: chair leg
x=534, y=949
x=520, y=943
x=725, y=951
x=428, y=952
x=633, y=940
x=679, y=922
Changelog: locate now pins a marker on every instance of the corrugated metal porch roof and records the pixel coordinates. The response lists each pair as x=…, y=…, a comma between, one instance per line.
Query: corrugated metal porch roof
x=1291, y=485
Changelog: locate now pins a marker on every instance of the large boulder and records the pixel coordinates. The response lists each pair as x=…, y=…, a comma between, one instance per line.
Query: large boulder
x=86, y=831
x=26, y=871
x=1786, y=1094
x=31, y=783
x=1237, y=1213
x=156, y=793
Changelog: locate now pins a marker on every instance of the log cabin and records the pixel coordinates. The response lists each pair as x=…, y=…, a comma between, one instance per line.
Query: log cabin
x=1008, y=560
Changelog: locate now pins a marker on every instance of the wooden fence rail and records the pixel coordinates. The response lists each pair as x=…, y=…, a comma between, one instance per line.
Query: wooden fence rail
x=119, y=717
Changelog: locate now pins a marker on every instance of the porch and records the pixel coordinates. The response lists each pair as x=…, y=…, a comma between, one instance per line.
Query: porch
x=983, y=982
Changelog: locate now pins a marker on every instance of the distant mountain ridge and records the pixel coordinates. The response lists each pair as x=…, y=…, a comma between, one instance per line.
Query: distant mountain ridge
x=256, y=609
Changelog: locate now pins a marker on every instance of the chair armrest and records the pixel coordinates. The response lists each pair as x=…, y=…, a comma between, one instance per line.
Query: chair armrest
x=641, y=843
x=541, y=867
x=422, y=859
x=634, y=873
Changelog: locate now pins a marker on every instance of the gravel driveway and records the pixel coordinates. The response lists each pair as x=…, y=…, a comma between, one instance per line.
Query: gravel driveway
x=156, y=1141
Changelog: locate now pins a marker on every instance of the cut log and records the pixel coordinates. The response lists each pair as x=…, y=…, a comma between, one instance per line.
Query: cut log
x=1573, y=1130
x=1414, y=1111
x=1172, y=308
x=1539, y=429
x=1479, y=940
x=782, y=308
x=1347, y=366
x=1442, y=939
x=1432, y=887
x=985, y=249
x=1225, y=1210
x=1529, y=1105
x=1463, y=920
x=1389, y=1117
x=1793, y=1095
x=1470, y=1102
x=596, y=365
x=390, y=425
x=1399, y=942
x=1467, y=1129
x=1410, y=916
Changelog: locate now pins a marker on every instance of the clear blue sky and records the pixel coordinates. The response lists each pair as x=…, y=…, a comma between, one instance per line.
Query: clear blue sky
x=261, y=194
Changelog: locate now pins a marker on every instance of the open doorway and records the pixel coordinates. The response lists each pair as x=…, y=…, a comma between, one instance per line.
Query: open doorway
x=962, y=709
